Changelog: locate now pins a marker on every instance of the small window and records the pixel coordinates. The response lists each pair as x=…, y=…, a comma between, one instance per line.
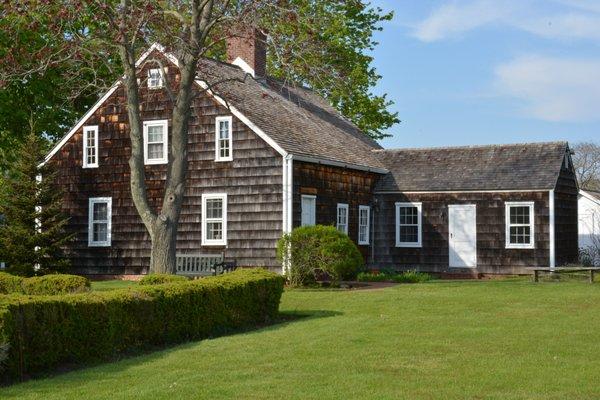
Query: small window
x=309, y=210
x=99, y=222
x=214, y=219
x=155, y=78
x=342, y=218
x=519, y=225
x=90, y=147
x=364, y=225
x=408, y=224
x=156, y=142
x=223, y=139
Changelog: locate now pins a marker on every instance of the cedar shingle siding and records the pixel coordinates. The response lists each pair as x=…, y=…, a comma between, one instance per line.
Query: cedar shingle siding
x=332, y=160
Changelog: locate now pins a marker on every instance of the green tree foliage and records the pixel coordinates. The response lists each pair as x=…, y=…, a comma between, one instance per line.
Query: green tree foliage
x=339, y=66
x=32, y=231
x=41, y=90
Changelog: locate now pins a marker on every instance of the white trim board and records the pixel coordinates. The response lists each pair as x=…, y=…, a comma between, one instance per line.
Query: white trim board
x=333, y=163
x=587, y=195
x=459, y=191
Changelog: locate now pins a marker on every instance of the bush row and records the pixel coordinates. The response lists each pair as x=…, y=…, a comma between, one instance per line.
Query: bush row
x=47, y=331
x=159, y=279
x=43, y=285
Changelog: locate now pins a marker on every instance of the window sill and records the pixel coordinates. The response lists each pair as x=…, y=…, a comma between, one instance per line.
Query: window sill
x=409, y=245
x=103, y=244
x=520, y=247
x=89, y=166
x=223, y=159
x=156, y=162
x=215, y=244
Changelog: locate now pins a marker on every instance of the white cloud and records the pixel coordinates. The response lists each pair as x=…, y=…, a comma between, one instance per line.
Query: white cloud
x=553, y=89
x=576, y=19
x=452, y=18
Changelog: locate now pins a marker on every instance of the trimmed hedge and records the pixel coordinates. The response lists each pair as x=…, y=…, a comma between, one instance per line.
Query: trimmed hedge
x=43, y=285
x=159, y=279
x=10, y=283
x=45, y=332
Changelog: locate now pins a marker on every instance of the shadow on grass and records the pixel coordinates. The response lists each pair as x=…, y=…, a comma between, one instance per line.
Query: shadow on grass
x=125, y=360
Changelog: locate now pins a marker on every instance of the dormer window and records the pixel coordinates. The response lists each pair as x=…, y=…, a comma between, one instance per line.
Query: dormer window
x=223, y=139
x=155, y=78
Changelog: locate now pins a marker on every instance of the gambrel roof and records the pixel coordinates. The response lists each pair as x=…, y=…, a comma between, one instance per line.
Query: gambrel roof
x=293, y=120
x=526, y=166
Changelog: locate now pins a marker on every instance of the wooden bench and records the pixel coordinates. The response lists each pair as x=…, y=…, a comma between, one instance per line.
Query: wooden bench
x=196, y=264
x=558, y=270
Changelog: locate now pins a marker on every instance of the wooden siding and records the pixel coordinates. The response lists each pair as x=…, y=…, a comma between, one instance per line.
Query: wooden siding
x=492, y=255
x=333, y=185
x=566, y=217
x=253, y=182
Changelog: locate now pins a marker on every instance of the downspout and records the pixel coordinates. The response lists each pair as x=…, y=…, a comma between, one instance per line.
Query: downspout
x=552, y=229
x=287, y=194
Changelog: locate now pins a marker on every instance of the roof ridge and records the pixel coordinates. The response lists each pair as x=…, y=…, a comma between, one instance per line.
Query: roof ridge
x=480, y=146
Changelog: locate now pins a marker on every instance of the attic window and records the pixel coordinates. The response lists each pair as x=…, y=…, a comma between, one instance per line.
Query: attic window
x=223, y=139
x=155, y=78
x=90, y=146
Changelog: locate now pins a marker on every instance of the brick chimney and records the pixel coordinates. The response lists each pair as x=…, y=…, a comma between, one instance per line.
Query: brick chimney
x=247, y=49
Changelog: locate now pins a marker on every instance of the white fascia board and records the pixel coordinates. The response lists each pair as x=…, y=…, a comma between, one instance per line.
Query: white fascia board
x=589, y=196
x=459, y=191
x=244, y=66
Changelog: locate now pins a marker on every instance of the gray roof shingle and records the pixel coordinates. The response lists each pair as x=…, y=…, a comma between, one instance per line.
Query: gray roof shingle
x=296, y=118
x=527, y=166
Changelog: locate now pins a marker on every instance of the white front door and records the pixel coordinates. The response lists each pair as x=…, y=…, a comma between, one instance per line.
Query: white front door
x=309, y=210
x=462, y=235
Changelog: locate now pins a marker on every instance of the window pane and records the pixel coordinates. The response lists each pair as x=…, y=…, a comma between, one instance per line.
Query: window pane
x=155, y=133
x=520, y=235
x=155, y=151
x=214, y=208
x=224, y=146
x=100, y=232
x=409, y=216
x=214, y=230
x=519, y=215
x=224, y=130
x=409, y=234
x=100, y=212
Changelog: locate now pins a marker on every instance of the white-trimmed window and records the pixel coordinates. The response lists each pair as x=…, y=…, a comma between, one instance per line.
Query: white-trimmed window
x=409, y=229
x=364, y=224
x=99, y=221
x=90, y=146
x=309, y=210
x=520, y=227
x=224, y=139
x=155, y=78
x=156, y=142
x=214, y=219
x=342, y=218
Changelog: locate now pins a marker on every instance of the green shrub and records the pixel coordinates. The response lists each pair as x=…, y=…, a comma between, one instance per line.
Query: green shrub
x=412, y=277
x=373, y=277
x=43, y=285
x=389, y=276
x=310, y=251
x=10, y=283
x=55, y=284
x=159, y=279
x=47, y=331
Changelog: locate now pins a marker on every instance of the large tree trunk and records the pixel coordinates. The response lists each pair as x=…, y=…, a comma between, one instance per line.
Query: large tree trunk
x=162, y=226
x=164, y=246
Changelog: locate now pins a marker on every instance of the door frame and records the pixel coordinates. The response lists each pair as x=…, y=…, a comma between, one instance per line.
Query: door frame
x=455, y=206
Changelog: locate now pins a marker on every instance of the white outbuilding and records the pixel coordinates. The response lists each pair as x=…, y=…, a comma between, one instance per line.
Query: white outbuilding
x=589, y=222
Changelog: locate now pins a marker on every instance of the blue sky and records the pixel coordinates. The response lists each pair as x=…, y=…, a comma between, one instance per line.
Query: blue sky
x=491, y=71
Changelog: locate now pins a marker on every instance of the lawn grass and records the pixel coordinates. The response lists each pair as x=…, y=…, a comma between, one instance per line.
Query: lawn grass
x=439, y=340
x=100, y=286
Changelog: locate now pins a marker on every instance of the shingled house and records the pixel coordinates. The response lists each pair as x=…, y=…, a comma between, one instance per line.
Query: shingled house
x=265, y=157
